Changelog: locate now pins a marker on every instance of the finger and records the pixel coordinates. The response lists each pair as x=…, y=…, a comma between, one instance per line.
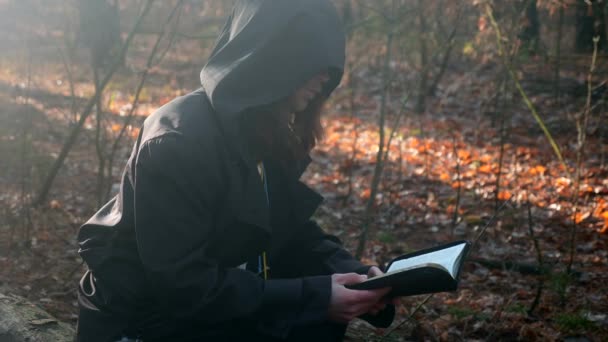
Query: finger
x=359, y=310
x=366, y=296
x=374, y=272
x=350, y=278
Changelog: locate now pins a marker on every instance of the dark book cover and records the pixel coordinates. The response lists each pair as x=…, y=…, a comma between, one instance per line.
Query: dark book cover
x=422, y=278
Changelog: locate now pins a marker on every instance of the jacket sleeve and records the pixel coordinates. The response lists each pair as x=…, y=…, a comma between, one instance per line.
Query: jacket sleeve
x=321, y=253
x=315, y=252
x=174, y=195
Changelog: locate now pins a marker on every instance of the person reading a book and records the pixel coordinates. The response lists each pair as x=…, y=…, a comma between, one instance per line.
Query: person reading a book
x=211, y=237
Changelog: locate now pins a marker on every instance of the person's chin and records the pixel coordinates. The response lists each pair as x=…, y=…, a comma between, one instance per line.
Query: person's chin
x=300, y=107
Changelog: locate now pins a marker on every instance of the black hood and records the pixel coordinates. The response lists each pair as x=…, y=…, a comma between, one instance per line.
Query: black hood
x=268, y=48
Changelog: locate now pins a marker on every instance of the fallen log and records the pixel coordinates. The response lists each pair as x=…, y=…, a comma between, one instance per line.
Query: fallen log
x=510, y=265
x=22, y=321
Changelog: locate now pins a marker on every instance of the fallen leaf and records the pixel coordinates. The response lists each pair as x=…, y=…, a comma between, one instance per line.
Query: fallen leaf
x=538, y=170
x=562, y=181
x=504, y=195
x=486, y=168
x=55, y=204
x=605, y=228
x=580, y=217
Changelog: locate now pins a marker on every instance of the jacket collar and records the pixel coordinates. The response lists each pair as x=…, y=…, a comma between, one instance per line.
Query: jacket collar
x=247, y=194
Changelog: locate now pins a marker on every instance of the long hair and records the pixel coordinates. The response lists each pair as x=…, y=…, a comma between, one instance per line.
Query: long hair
x=273, y=132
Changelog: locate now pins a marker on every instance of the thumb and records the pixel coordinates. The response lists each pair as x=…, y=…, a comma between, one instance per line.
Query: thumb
x=350, y=278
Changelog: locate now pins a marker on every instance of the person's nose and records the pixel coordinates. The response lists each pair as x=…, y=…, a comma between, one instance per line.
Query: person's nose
x=323, y=77
x=318, y=81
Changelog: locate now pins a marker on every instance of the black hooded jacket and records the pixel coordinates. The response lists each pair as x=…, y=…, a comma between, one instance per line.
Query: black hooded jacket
x=164, y=254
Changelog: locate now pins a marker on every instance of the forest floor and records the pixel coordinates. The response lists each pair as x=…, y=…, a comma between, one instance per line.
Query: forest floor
x=439, y=184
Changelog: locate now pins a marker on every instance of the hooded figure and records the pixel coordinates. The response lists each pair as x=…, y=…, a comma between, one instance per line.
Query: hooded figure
x=210, y=237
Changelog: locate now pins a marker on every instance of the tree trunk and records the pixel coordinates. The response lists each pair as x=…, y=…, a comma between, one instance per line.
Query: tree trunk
x=100, y=30
x=424, y=60
x=558, y=50
x=589, y=23
x=530, y=33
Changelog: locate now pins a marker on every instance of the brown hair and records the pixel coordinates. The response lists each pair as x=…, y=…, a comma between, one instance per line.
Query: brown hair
x=273, y=132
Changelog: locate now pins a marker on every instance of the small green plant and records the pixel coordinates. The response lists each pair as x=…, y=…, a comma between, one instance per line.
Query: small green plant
x=415, y=132
x=517, y=308
x=573, y=322
x=386, y=237
x=559, y=283
x=460, y=312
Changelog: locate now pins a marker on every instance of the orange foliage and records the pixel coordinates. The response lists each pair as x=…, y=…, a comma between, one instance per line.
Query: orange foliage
x=366, y=193
x=482, y=23
x=486, y=168
x=580, y=217
x=464, y=154
x=586, y=189
x=450, y=209
x=605, y=228
x=414, y=142
x=333, y=137
x=486, y=158
x=600, y=208
x=469, y=173
x=521, y=150
x=504, y=195
x=538, y=170
x=562, y=181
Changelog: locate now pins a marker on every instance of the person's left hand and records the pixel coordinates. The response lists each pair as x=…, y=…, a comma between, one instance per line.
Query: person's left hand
x=374, y=271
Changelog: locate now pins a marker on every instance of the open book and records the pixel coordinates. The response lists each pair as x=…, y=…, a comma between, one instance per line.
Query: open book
x=429, y=270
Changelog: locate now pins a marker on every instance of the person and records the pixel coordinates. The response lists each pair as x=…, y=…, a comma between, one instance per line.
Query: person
x=211, y=236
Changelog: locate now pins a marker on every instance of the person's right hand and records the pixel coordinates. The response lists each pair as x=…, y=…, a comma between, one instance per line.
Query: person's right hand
x=346, y=304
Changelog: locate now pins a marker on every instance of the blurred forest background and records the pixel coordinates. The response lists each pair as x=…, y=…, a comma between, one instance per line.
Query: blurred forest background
x=483, y=120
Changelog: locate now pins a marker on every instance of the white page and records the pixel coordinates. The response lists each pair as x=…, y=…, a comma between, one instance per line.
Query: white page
x=445, y=258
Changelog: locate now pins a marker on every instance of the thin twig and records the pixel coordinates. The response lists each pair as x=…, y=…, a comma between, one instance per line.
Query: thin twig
x=503, y=139
x=582, y=122
x=353, y=156
x=409, y=317
x=539, y=258
x=379, y=165
x=490, y=221
x=25, y=152
x=71, y=140
x=149, y=64
x=394, y=127
x=459, y=188
x=523, y=94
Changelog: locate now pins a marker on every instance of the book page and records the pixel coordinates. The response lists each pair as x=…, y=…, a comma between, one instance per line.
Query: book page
x=445, y=257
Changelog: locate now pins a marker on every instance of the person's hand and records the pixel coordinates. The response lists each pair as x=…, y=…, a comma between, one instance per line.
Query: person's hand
x=346, y=304
x=374, y=271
